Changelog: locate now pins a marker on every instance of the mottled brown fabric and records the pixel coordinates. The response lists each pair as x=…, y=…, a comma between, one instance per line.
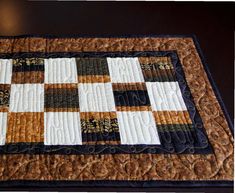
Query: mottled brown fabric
x=217, y=166
x=154, y=60
x=98, y=115
x=115, y=167
x=172, y=117
x=60, y=86
x=25, y=127
x=27, y=77
x=94, y=78
x=133, y=108
x=129, y=86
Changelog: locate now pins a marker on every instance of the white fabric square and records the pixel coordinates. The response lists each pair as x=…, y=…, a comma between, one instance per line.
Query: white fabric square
x=96, y=97
x=165, y=96
x=137, y=127
x=124, y=70
x=5, y=71
x=27, y=98
x=60, y=70
x=3, y=128
x=62, y=128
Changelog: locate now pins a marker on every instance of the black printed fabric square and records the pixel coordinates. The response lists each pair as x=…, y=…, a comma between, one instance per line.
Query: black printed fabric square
x=100, y=128
x=158, y=69
x=61, y=97
x=4, y=97
x=92, y=70
x=28, y=70
x=131, y=97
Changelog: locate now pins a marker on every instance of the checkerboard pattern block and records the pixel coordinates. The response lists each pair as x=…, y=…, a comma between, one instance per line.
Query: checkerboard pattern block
x=79, y=101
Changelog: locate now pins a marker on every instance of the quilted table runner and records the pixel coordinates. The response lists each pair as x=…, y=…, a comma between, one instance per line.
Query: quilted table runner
x=127, y=111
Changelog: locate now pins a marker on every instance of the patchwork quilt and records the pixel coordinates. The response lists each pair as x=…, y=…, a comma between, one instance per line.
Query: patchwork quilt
x=109, y=111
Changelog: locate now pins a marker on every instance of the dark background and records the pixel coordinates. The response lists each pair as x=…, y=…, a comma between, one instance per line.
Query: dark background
x=212, y=23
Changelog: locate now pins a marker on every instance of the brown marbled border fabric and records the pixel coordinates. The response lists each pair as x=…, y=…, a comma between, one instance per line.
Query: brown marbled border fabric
x=217, y=166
